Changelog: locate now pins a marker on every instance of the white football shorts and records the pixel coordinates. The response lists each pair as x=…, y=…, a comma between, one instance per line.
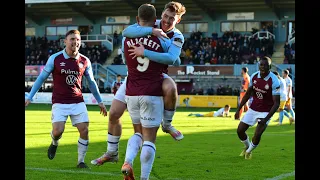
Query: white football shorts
x=121, y=93
x=251, y=117
x=145, y=110
x=78, y=113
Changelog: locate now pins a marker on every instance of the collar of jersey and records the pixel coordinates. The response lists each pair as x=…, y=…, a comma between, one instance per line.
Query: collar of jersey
x=265, y=78
x=66, y=56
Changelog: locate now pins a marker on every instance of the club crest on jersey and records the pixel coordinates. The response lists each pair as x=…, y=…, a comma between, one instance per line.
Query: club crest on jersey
x=80, y=65
x=254, y=81
x=266, y=86
x=178, y=42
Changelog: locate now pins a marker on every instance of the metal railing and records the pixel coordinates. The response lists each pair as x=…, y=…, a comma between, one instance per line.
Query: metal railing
x=103, y=74
x=262, y=34
x=291, y=39
x=99, y=38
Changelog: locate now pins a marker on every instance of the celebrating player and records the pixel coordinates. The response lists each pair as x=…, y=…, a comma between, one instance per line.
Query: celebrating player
x=68, y=67
x=143, y=96
x=265, y=88
x=222, y=112
x=171, y=15
x=244, y=87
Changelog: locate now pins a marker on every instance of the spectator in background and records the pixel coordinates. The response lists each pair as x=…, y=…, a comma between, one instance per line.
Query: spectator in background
x=116, y=84
x=39, y=50
x=270, y=46
x=257, y=45
x=183, y=91
x=115, y=38
x=119, y=52
x=182, y=56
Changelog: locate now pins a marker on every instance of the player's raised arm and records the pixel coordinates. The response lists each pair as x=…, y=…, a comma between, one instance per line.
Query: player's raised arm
x=40, y=79
x=94, y=88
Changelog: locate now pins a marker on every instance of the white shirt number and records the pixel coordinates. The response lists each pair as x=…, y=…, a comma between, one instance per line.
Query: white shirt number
x=145, y=64
x=259, y=95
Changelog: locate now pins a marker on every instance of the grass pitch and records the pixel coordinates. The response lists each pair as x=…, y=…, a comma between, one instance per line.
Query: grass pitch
x=209, y=150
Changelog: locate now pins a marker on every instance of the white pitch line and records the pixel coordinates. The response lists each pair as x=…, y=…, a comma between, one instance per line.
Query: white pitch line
x=78, y=172
x=235, y=133
x=281, y=176
x=71, y=171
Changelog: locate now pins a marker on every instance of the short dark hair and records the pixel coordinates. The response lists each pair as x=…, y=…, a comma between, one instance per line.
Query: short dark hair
x=245, y=69
x=266, y=58
x=227, y=106
x=118, y=75
x=276, y=73
x=73, y=31
x=286, y=72
x=147, y=12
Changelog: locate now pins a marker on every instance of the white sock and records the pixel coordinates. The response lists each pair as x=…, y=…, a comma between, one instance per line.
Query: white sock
x=168, y=117
x=113, y=143
x=133, y=147
x=246, y=142
x=82, y=149
x=147, y=158
x=55, y=141
x=251, y=147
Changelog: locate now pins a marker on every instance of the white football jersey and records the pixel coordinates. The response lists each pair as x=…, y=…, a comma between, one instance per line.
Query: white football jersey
x=219, y=112
x=283, y=90
x=289, y=83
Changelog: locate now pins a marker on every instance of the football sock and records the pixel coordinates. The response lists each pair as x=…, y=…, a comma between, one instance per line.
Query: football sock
x=167, y=117
x=82, y=149
x=55, y=141
x=286, y=113
x=251, y=147
x=198, y=115
x=147, y=158
x=292, y=113
x=246, y=142
x=281, y=116
x=133, y=147
x=113, y=143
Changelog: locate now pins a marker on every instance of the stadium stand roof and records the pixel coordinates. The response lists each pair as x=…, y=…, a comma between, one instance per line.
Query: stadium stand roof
x=94, y=9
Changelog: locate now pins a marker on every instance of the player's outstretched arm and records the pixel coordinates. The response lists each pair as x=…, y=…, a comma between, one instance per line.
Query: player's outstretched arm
x=172, y=52
x=172, y=49
x=93, y=87
x=36, y=86
x=40, y=79
x=163, y=58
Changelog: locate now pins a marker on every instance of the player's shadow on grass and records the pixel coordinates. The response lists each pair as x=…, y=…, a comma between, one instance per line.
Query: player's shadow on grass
x=200, y=155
